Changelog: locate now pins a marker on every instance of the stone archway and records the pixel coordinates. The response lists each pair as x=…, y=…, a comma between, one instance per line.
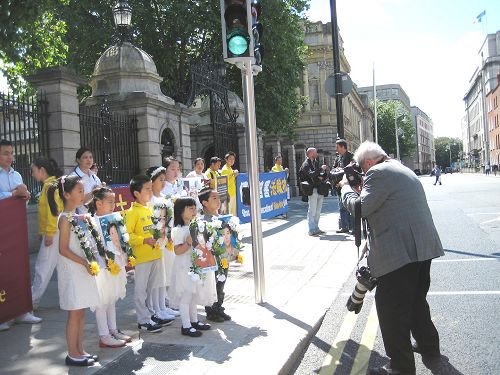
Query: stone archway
x=167, y=142
x=208, y=154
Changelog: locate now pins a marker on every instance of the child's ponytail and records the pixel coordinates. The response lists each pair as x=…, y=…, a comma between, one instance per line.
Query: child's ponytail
x=64, y=184
x=51, y=199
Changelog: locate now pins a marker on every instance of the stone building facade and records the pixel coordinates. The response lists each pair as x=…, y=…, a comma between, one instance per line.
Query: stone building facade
x=426, y=153
x=494, y=123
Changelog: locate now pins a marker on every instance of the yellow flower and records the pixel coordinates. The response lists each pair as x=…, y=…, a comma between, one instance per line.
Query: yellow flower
x=113, y=268
x=224, y=263
x=94, y=268
x=170, y=245
x=131, y=261
x=240, y=258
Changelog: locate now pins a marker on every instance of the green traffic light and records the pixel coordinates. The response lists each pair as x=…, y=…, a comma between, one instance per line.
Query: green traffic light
x=237, y=45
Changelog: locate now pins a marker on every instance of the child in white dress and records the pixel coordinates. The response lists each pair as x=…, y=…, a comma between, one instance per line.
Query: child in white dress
x=76, y=283
x=188, y=289
x=111, y=287
x=159, y=202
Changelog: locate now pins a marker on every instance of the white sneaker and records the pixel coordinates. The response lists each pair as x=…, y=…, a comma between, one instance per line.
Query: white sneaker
x=4, y=327
x=173, y=312
x=110, y=342
x=165, y=315
x=121, y=336
x=28, y=318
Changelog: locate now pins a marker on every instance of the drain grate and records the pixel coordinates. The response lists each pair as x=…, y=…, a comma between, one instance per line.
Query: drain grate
x=287, y=267
x=151, y=359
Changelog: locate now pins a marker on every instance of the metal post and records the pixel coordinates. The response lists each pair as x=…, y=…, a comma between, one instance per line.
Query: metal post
x=375, y=104
x=336, y=69
x=397, y=136
x=253, y=180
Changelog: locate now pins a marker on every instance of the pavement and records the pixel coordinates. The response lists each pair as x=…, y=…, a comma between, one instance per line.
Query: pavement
x=303, y=275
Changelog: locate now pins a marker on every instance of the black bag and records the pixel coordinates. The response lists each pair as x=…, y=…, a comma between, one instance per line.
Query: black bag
x=324, y=189
x=306, y=188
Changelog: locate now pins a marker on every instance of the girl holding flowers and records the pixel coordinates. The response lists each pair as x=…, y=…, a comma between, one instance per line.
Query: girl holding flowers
x=76, y=267
x=162, y=215
x=112, y=279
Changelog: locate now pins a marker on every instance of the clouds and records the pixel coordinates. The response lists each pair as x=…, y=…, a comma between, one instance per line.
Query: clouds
x=432, y=66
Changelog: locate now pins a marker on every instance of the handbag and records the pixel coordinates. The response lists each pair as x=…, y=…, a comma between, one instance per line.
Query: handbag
x=306, y=188
x=324, y=189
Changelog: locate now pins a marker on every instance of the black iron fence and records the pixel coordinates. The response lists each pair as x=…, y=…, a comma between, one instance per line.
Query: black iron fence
x=23, y=121
x=112, y=137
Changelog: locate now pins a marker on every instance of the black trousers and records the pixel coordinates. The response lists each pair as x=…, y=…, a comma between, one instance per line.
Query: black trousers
x=402, y=308
x=219, y=285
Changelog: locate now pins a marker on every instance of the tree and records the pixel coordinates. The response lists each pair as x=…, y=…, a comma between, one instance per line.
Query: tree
x=386, y=113
x=174, y=32
x=442, y=146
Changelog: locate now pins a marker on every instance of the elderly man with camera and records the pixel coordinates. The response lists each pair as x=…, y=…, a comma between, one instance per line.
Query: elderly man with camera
x=402, y=242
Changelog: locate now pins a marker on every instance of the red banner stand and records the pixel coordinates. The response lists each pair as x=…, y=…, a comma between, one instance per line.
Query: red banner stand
x=15, y=277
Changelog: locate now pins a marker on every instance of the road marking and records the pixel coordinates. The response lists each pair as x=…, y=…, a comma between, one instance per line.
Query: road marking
x=465, y=260
x=366, y=344
x=455, y=293
x=332, y=358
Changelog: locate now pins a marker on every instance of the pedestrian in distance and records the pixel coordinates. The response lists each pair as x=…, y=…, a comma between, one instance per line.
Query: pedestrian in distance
x=110, y=285
x=487, y=168
x=278, y=165
x=227, y=170
x=12, y=186
x=402, y=242
x=46, y=172
x=76, y=280
x=188, y=291
x=343, y=159
x=437, y=173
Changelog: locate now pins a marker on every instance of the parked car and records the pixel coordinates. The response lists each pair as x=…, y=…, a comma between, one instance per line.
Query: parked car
x=417, y=172
x=448, y=170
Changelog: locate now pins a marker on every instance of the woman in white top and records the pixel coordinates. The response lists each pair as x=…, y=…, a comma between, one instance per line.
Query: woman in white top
x=199, y=166
x=172, y=185
x=85, y=160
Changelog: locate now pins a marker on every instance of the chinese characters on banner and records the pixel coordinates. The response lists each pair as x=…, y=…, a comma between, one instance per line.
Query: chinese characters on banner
x=273, y=195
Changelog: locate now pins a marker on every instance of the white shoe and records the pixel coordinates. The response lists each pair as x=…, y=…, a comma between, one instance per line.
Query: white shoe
x=164, y=315
x=173, y=312
x=121, y=336
x=4, y=327
x=110, y=342
x=28, y=318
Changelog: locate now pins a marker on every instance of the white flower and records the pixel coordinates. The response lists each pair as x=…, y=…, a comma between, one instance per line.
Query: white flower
x=210, y=243
x=168, y=203
x=122, y=229
x=201, y=226
x=220, y=240
x=217, y=223
x=126, y=237
x=194, y=276
x=199, y=253
x=221, y=278
x=159, y=226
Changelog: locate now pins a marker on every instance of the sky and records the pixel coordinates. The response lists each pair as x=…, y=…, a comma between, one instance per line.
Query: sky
x=429, y=47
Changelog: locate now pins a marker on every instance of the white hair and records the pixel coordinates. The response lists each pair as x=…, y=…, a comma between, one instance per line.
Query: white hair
x=368, y=151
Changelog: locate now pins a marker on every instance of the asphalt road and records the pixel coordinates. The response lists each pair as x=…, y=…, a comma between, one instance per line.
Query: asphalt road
x=464, y=294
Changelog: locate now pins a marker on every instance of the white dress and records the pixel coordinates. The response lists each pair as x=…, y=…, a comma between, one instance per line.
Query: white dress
x=167, y=256
x=110, y=287
x=77, y=288
x=204, y=291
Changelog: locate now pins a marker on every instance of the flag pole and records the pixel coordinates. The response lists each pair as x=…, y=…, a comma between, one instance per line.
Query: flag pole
x=375, y=104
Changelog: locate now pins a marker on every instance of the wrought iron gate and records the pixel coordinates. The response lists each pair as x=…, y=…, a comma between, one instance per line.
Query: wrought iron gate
x=208, y=78
x=112, y=137
x=23, y=121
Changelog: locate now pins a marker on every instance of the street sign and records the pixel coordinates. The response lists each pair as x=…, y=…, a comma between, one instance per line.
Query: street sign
x=346, y=84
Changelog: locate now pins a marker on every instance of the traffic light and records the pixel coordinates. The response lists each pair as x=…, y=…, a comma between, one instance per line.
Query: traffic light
x=257, y=31
x=235, y=19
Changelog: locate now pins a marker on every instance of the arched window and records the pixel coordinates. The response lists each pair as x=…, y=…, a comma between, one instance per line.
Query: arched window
x=167, y=143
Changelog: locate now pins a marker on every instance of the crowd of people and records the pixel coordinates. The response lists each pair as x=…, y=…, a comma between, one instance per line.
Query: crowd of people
x=155, y=236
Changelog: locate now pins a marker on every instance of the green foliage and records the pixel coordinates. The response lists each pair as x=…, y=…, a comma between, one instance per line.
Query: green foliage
x=442, y=146
x=43, y=33
x=386, y=112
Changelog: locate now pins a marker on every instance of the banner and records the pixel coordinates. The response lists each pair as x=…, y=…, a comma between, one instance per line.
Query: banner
x=273, y=195
x=223, y=195
x=15, y=277
x=123, y=198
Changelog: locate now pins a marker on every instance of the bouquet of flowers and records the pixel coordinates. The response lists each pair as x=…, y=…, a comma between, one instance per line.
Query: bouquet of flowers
x=162, y=214
x=126, y=248
x=85, y=245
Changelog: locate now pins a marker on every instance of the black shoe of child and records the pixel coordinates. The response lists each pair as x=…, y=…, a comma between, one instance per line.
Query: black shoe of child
x=215, y=317
x=200, y=326
x=152, y=328
x=160, y=321
x=83, y=362
x=192, y=332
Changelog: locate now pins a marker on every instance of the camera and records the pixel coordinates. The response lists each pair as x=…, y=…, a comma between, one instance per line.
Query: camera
x=353, y=173
x=365, y=283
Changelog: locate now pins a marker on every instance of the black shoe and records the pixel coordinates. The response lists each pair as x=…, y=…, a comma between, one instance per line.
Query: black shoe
x=160, y=321
x=342, y=230
x=224, y=316
x=84, y=362
x=214, y=317
x=430, y=354
x=387, y=370
x=92, y=356
x=192, y=332
x=200, y=326
x=149, y=327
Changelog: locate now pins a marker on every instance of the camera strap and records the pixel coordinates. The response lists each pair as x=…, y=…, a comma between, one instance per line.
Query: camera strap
x=359, y=225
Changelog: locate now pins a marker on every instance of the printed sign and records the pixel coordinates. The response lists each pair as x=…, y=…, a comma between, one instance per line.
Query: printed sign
x=222, y=191
x=113, y=237
x=273, y=195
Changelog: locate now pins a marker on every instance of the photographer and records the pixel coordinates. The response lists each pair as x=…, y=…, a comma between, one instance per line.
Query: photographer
x=313, y=178
x=343, y=159
x=403, y=241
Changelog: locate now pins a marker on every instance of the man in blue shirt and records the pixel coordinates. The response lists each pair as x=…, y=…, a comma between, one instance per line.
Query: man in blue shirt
x=11, y=186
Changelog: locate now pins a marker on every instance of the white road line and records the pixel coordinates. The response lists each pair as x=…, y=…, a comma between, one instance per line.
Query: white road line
x=465, y=260
x=451, y=293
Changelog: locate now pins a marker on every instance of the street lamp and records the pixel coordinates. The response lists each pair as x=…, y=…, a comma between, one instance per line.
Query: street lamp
x=397, y=113
x=122, y=14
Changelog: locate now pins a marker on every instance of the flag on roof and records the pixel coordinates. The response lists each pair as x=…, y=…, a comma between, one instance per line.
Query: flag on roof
x=480, y=16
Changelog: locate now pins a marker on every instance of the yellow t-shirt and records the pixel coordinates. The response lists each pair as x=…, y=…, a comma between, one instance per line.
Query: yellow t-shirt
x=277, y=168
x=231, y=180
x=47, y=223
x=139, y=224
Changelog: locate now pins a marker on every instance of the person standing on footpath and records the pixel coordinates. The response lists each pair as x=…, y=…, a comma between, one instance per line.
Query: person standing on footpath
x=312, y=173
x=85, y=160
x=344, y=158
x=402, y=242
x=227, y=170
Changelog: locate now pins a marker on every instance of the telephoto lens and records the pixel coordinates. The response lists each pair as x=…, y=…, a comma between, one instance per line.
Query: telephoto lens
x=365, y=283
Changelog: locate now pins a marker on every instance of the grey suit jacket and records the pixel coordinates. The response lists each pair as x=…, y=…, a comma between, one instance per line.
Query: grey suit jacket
x=401, y=229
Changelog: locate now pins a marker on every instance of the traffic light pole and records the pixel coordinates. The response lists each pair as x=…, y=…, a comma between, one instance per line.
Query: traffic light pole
x=253, y=180
x=336, y=70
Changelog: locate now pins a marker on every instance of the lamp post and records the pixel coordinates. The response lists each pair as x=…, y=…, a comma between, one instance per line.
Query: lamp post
x=397, y=112
x=122, y=15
